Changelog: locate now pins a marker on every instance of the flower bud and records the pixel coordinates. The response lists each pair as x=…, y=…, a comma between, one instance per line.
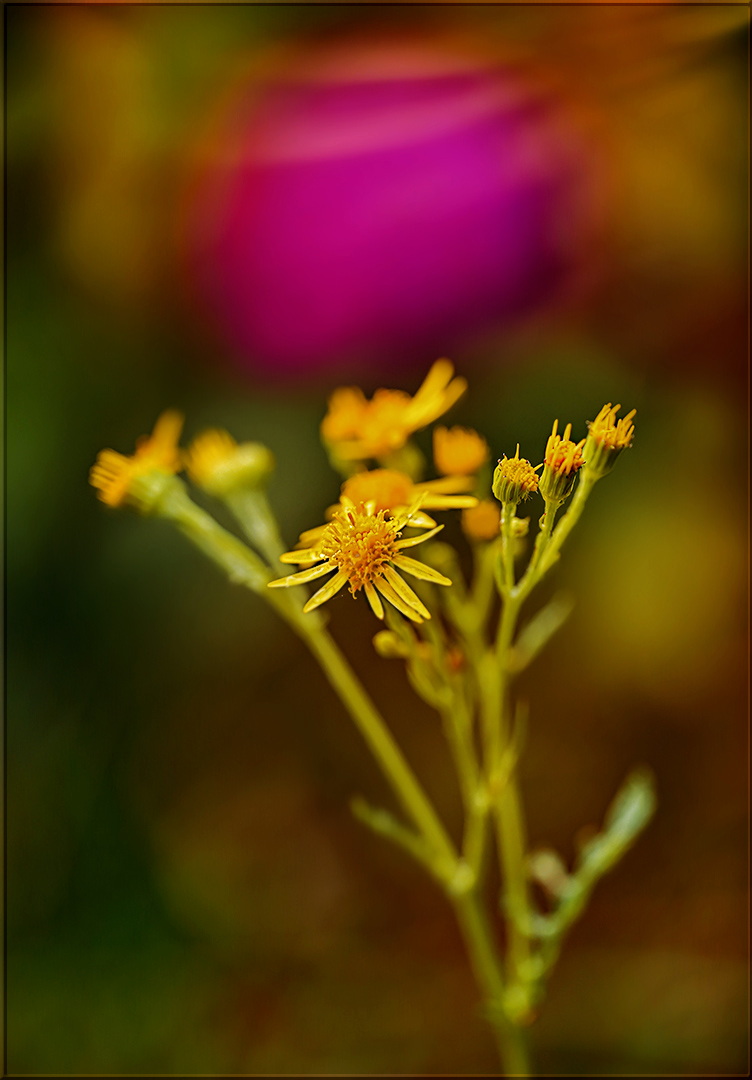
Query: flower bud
x=606, y=439
x=562, y=461
x=221, y=466
x=388, y=645
x=514, y=479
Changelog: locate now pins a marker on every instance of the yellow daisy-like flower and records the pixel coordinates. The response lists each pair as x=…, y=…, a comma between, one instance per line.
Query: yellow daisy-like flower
x=607, y=437
x=359, y=429
x=114, y=474
x=394, y=492
x=363, y=548
x=459, y=451
x=562, y=460
x=220, y=465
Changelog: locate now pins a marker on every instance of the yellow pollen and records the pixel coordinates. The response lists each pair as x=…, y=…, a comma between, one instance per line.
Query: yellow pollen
x=360, y=544
x=519, y=471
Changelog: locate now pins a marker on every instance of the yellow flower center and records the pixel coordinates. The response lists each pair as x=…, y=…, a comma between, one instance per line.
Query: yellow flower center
x=360, y=544
x=519, y=471
x=386, y=488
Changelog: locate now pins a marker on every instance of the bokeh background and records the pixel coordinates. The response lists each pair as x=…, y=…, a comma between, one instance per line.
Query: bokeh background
x=232, y=210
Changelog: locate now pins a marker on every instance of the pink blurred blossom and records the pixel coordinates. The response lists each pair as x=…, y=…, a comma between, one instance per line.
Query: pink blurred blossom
x=382, y=202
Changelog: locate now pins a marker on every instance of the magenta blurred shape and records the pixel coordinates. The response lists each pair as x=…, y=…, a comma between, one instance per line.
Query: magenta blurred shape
x=381, y=203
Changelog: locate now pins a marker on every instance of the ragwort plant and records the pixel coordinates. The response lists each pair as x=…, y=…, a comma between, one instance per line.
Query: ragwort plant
x=461, y=641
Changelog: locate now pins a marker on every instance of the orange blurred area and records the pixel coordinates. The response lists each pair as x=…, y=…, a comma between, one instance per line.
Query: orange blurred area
x=187, y=891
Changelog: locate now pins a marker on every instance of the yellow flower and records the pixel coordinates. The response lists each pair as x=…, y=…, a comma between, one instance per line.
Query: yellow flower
x=220, y=465
x=116, y=476
x=358, y=429
x=362, y=547
x=514, y=479
x=606, y=439
x=458, y=451
x=562, y=460
x=389, y=489
x=482, y=522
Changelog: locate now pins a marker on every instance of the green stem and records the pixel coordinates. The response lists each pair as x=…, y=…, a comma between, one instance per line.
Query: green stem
x=383, y=746
x=511, y=1039
x=507, y=545
x=584, y=487
x=240, y=564
x=532, y=575
x=506, y=804
x=252, y=510
x=458, y=722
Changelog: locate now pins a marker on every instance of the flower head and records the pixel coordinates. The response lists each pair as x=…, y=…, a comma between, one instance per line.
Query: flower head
x=220, y=465
x=562, y=461
x=363, y=548
x=392, y=490
x=607, y=437
x=118, y=477
x=514, y=479
x=359, y=429
x=482, y=522
x=458, y=451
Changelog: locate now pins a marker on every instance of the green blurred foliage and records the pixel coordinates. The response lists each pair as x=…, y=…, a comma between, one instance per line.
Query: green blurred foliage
x=186, y=891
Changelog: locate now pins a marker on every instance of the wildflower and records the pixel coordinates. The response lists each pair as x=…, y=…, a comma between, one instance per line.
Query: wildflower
x=357, y=429
x=606, y=439
x=458, y=451
x=561, y=463
x=362, y=546
x=482, y=522
x=514, y=479
x=220, y=465
x=394, y=492
x=389, y=489
x=119, y=479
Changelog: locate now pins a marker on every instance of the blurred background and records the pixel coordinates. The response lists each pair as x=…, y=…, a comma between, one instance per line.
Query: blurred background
x=232, y=210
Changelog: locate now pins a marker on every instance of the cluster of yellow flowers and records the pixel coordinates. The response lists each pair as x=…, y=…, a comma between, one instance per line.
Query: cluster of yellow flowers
x=361, y=542
x=461, y=664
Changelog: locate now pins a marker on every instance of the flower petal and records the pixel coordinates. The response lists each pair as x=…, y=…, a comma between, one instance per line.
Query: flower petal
x=448, y=485
x=326, y=592
x=420, y=520
x=374, y=600
x=404, y=591
x=302, y=577
x=450, y=502
x=412, y=540
x=394, y=598
x=420, y=570
x=302, y=555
